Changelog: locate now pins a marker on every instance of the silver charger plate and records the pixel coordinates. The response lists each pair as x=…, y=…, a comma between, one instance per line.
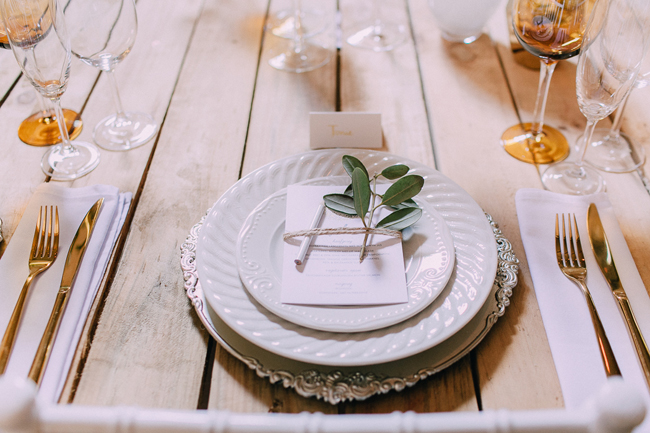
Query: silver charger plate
x=339, y=384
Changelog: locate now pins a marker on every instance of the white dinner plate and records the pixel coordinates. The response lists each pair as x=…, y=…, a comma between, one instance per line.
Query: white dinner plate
x=428, y=263
x=462, y=298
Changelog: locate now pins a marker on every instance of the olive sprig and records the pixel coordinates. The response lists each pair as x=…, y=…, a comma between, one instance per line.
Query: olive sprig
x=360, y=200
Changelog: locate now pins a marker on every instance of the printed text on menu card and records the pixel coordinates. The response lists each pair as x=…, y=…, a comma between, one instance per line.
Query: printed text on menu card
x=331, y=273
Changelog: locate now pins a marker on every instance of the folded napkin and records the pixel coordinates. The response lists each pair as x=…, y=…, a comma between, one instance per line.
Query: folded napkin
x=564, y=310
x=73, y=205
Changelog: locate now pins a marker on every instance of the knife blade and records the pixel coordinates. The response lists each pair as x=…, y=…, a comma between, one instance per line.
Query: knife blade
x=72, y=263
x=603, y=253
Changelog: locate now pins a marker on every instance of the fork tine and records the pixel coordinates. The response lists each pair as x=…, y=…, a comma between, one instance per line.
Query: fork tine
x=567, y=261
x=37, y=231
x=574, y=260
x=581, y=256
x=55, y=245
x=48, y=242
x=558, y=248
x=41, y=244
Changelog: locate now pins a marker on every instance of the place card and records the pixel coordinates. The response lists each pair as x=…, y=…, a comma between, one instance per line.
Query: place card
x=345, y=129
x=331, y=273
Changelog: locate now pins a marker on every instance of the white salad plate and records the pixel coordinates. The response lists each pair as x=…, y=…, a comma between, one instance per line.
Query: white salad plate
x=465, y=294
x=428, y=262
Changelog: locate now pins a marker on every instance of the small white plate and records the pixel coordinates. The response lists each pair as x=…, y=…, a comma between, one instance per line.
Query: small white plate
x=428, y=262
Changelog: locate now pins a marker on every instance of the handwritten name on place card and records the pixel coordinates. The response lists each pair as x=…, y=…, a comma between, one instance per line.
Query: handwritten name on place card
x=353, y=130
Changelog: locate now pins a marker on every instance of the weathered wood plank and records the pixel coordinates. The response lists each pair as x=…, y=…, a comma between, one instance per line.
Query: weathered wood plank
x=469, y=107
x=389, y=83
x=148, y=348
x=279, y=126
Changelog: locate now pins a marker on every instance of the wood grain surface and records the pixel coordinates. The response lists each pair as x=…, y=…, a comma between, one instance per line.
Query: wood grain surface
x=200, y=67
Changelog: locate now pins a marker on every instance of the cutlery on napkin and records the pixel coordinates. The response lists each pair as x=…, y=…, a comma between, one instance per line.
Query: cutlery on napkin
x=73, y=204
x=565, y=314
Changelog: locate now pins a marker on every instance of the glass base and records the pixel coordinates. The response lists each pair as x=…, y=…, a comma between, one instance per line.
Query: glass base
x=378, y=36
x=129, y=132
x=613, y=154
x=461, y=39
x=571, y=178
x=311, y=57
x=313, y=22
x=38, y=130
x=61, y=165
x=545, y=148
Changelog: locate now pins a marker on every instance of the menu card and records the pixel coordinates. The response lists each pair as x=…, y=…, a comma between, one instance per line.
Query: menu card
x=331, y=273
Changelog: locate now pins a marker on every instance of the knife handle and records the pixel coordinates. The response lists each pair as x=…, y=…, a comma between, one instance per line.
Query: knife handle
x=47, y=341
x=637, y=338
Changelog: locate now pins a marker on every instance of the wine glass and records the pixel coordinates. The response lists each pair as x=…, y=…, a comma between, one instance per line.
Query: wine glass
x=377, y=34
x=41, y=128
x=607, y=68
x=462, y=20
x=551, y=30
x=282, y=24
x=39, y=40
x=610, y=149
x=301, y=55
x=102, y=33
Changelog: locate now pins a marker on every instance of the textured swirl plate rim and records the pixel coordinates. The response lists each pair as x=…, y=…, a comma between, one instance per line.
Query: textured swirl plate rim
x=261, y=274
x=349, y=383
x=464, y=296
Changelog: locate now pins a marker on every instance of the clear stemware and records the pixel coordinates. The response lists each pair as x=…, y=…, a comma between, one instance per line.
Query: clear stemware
x=610, y=149
x=102, y=34
x=551, y=30
x=39, y=40
x=607, y=68
x=378, y=34
x=301, y=55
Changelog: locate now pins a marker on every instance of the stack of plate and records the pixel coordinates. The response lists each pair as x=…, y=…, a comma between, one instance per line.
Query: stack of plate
x=347, y=353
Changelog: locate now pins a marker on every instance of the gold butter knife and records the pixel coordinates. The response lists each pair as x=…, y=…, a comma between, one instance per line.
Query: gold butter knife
x=603, y=253
x=72, y=262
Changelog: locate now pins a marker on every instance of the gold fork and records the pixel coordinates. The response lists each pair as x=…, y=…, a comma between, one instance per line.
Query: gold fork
x=44, y=250
x=573, y=267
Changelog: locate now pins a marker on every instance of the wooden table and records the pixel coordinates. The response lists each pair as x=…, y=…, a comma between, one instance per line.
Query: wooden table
x=200, y=67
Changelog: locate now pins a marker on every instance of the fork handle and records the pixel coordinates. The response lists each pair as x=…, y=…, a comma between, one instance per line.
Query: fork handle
x=609, y=361
x=9, y=338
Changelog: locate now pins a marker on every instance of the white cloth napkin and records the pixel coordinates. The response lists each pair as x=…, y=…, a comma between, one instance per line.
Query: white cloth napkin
x=73, y=204
x=564, y=310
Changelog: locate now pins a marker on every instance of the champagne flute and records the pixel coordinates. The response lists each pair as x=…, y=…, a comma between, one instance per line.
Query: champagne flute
x=607, y=68
x=301, y=55
x=377, y=34
x=102, y=33
x=610, y=149
x=41, y=128
x=39, y=40
x=551, y=30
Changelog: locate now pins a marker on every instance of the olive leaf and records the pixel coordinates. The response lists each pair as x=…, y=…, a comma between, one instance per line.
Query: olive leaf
x=350, y=163
x=361, y=192
x=395, y=171
x=405, y=188
x=401, y=219
x=340, y=203
x=405, y=204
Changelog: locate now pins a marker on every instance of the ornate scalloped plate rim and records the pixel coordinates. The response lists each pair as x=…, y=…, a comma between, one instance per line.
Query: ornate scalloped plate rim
x=347, y=384
x=313, y=316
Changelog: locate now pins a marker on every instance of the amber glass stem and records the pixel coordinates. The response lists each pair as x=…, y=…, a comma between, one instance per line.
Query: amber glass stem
x=545, y=74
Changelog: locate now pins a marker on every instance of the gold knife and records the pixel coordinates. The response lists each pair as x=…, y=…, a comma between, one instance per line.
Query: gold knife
x=603, y=253
x=72, y=262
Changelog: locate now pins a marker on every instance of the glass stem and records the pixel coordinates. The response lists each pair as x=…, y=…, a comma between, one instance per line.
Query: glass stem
x=120, y=115
x=66, y=145
x=615, y=130
x=586, y=139
x=545, y=74
x=298, y=34
x=377, y=30
x=46, y=113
